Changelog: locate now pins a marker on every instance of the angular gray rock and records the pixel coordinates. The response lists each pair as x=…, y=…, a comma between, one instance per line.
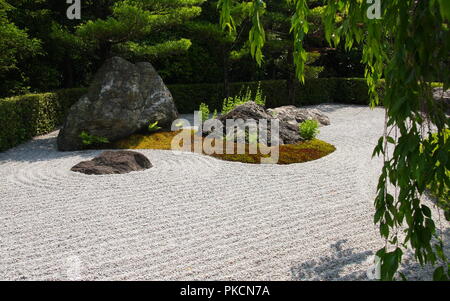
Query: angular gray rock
x=294, y=115
x=122, y=99
x=288, y=118
x=110, y=162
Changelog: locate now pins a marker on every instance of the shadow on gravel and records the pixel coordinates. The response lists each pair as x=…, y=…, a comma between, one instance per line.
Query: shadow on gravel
x=334, y=107
x=41, y=149
x=338, y=265
x=332, y=267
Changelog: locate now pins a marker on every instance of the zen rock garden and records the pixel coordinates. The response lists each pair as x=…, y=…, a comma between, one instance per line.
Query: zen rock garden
x=196, y=140
x=125, y=99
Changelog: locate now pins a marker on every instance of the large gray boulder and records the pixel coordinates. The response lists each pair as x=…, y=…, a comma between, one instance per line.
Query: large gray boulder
x=122, y=99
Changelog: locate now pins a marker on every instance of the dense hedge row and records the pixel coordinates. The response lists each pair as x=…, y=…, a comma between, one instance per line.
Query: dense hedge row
x=314, y=91
x=26, y=116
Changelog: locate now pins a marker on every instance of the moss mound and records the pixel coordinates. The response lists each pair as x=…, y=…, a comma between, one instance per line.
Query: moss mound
x=288, y=154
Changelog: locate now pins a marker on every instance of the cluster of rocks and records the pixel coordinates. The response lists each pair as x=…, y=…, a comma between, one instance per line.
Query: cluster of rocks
x=124, y=98
x=288, y=117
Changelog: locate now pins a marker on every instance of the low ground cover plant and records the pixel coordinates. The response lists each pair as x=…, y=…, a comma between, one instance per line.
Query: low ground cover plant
x=92, y=140
x=153, y=127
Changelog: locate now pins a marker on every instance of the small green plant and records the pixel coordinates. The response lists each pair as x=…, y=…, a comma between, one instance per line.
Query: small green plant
x=231, y=103
x=259, y=97
x=88, y=139
x=203, y=111
x=309, y=129
x=214, y=116
x=153, y=127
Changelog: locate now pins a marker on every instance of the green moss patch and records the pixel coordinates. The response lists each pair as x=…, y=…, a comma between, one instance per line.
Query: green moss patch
x=288, y=154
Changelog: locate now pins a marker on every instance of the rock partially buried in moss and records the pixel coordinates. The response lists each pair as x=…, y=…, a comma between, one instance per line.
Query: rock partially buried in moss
x=110, y=162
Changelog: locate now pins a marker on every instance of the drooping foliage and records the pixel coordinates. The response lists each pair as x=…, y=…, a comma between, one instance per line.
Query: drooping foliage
x=409, y=47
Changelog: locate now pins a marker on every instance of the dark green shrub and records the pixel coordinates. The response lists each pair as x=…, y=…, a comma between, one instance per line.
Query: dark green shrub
x=26, y=116
x=189, y=97
x=351, y=91
x=314, y=91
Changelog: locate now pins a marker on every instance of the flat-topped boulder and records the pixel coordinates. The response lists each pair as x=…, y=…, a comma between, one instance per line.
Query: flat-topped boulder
x=122, y=99
x=294, y=115
x=111, y=162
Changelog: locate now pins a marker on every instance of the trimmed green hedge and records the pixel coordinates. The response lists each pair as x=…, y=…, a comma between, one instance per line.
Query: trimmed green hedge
x=26, y=116
x=314, y=91
x=23, y=117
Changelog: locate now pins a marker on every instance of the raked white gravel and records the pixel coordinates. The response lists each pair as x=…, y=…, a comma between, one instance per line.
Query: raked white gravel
x=193, y=217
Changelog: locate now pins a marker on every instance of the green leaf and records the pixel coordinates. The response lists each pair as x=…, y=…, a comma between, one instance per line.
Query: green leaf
x=390, y=139
x=384, y=230
x=445, y=8
x=439, y=274
x=426, y=211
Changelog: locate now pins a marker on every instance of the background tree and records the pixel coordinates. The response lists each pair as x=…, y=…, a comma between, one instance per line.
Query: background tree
x=74, y=49
x=126, y=27
x=409, y=48
x=15, y=45
x=279, y=46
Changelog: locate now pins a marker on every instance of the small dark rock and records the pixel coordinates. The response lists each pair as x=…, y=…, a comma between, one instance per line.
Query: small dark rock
x=110, y=162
